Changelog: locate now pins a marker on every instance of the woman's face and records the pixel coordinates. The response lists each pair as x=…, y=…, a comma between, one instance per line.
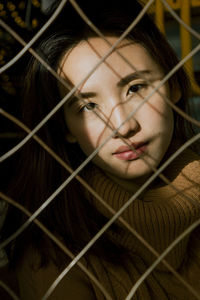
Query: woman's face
x=113, y=91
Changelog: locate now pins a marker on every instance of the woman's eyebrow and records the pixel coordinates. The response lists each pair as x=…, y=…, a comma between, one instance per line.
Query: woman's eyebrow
x=135, y=75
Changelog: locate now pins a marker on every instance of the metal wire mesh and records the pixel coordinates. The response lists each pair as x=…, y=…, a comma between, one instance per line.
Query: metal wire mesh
x=32, y=134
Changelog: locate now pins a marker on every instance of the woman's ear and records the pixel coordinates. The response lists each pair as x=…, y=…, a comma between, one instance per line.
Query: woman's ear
x=176, y=95
x=70, y=138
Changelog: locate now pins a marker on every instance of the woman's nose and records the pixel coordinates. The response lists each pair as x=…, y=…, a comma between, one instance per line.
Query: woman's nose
x=121, y=120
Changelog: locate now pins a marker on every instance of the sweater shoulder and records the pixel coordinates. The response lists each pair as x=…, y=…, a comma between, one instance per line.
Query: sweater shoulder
x=35, y=281
x=192, y=166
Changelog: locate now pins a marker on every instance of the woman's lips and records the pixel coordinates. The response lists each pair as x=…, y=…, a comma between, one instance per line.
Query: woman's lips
x=125, y=153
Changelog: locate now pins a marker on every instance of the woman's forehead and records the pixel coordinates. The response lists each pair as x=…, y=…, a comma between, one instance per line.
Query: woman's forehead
x=98, y=47
x=89, y=53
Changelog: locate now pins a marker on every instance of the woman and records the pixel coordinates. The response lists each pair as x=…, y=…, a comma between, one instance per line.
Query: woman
x=102, y=103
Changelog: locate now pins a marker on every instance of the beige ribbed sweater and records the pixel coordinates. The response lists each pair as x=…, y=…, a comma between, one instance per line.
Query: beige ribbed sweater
x=159, y=216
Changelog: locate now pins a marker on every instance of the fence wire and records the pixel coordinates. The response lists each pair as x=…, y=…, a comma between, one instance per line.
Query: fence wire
x=32, y=134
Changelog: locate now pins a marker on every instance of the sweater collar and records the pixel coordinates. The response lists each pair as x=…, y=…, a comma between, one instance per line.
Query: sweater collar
x=163, y=211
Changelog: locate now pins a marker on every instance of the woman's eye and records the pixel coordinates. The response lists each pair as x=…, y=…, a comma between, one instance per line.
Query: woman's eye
x=89, y=107
x=135, y=88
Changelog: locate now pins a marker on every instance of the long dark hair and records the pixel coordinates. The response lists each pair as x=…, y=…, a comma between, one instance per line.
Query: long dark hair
x=38, y=174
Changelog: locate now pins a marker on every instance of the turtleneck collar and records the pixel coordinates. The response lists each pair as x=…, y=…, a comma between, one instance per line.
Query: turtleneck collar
x=162, y=213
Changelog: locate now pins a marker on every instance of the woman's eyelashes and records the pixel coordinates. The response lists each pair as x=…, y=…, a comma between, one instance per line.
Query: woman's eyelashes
x=136, y=88
x=87, y=107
